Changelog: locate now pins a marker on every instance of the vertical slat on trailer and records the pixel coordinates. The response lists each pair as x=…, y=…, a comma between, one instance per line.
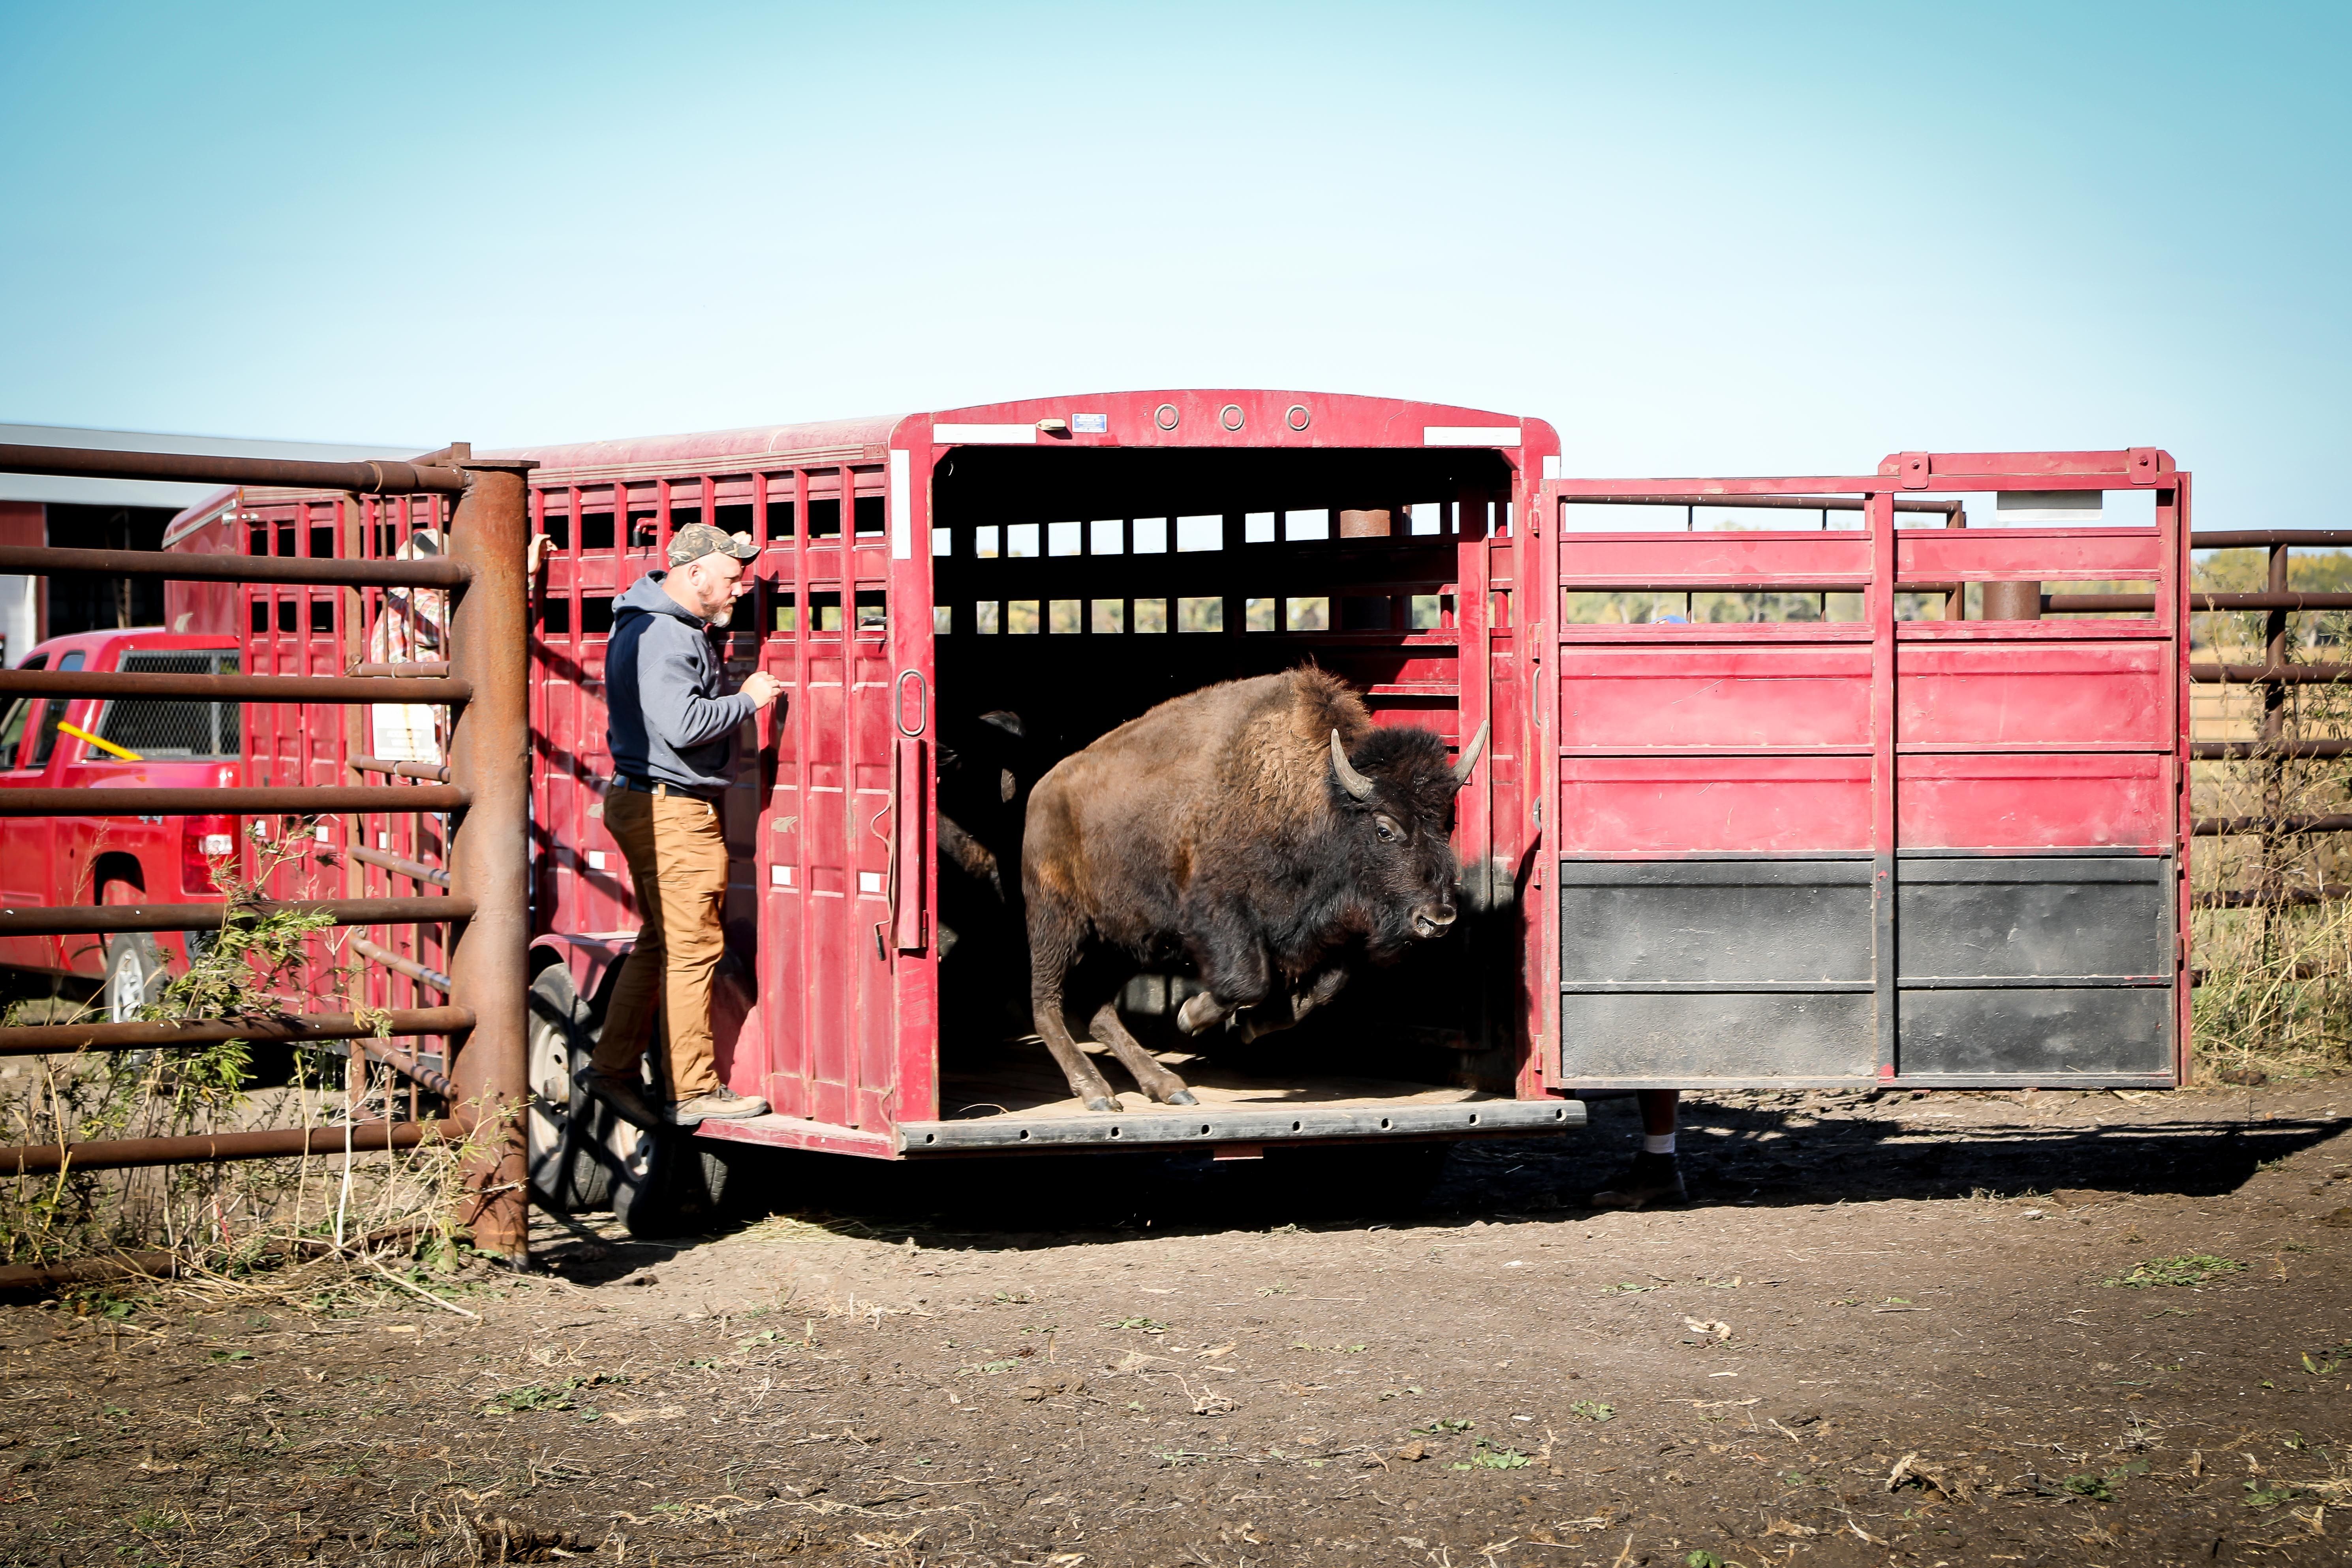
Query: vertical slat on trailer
x=2173, y=519
x=741, y=812
x=604, y=902
x=1521, y=698
x=831, y=807
x=1477, y=519
x=774, y=960
x=792, y=830
x=874, y=827
x=913, y=683
x=1878, y=608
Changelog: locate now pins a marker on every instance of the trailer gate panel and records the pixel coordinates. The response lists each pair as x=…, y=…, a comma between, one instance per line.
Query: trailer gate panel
x=1916, y=851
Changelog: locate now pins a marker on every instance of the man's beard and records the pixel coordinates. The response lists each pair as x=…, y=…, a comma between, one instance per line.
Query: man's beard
x=724, y=613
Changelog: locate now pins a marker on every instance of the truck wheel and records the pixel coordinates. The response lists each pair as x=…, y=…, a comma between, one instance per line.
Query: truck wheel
x=135, y=977
x=563, y=1132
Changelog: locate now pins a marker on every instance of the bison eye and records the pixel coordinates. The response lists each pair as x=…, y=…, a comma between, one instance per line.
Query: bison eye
x=1385, y=829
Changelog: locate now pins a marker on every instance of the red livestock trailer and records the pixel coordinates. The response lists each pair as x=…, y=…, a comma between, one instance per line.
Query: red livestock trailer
x=1777, y=794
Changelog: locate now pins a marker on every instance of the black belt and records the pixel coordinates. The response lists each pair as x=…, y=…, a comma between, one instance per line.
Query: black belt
x=655, y=787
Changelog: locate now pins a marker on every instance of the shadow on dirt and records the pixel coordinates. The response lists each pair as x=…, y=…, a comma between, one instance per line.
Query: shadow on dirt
x=1760, y=1156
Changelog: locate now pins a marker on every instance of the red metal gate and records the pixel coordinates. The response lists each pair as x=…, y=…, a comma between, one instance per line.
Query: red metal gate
x=1852, y=846
x=293, y=773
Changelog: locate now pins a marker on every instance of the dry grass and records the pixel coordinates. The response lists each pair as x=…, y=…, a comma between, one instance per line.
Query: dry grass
x=220, y=1220
x=2274, y=997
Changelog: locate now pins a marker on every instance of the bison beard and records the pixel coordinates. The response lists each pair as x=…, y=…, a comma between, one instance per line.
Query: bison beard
x=1263, y=826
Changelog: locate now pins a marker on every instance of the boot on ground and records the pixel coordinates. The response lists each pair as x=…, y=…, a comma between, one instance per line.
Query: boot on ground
x=1653, y=1180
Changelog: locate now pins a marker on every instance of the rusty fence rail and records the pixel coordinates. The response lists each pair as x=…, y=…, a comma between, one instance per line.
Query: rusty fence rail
x=483, y=788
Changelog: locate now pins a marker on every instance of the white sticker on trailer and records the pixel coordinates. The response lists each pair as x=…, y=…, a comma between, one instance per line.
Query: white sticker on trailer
x=1469, y=435
x=985, y=434
x=1551, y=467
x=902, y=523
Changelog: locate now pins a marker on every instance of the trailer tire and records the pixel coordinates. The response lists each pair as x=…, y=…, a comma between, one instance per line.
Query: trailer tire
x=135, y=976
x=666, y=1184
x=564, y=1134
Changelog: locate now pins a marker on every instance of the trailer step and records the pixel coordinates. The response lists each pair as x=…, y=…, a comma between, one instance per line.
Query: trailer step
x=1172, y=1124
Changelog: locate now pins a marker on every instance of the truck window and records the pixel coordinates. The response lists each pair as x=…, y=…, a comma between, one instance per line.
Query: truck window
x=181, y=729
x=53, y=713
x=12, y=728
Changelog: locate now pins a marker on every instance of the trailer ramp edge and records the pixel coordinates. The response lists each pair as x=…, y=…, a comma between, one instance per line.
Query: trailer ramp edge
x=1163, y=1126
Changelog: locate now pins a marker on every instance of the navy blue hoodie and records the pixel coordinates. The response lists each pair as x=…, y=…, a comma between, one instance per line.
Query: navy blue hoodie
x=665, y=719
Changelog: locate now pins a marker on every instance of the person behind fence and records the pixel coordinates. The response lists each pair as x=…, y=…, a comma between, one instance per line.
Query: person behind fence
x=674, y=740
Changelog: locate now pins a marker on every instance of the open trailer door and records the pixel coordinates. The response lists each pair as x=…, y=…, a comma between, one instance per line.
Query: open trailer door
x=1827, y=799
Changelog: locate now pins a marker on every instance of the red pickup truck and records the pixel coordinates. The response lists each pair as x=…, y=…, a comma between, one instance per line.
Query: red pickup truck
x=97, y=742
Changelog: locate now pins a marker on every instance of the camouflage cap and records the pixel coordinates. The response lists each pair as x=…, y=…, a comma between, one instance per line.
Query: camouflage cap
x=696, y=540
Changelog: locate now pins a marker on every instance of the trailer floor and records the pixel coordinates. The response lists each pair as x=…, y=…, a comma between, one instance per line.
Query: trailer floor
x=1882, y=1337
x=1027, y=1083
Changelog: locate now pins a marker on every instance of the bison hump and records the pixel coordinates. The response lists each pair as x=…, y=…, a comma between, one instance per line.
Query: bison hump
x=1277, y=761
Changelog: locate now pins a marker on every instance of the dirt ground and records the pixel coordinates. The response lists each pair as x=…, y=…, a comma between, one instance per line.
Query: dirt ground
x=1885, y=1333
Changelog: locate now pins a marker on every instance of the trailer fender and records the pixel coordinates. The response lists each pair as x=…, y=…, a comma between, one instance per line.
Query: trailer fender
x=591, y=959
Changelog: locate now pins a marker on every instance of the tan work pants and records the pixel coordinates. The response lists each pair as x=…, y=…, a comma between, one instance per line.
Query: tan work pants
x=677, y=852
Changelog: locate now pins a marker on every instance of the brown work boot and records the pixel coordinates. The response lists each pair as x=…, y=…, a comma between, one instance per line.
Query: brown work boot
x=721, y=1103
x=622, y=1094
x=1653, y=1180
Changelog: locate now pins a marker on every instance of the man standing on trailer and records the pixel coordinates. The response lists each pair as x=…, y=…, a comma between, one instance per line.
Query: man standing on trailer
x=674, y=743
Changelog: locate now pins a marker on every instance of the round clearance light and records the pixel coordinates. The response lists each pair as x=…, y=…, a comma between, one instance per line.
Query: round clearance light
x=1230, y=416
x=1165, y=418
x=1298, y=417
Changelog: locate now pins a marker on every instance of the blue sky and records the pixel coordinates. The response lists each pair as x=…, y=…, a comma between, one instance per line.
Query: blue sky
x=1698, y=239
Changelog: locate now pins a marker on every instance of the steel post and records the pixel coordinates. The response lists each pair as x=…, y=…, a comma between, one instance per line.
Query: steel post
x=2274, y=719
x=489, y=846
x=2013, y=601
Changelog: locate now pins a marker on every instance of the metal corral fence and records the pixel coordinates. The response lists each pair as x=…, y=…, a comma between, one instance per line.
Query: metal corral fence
x=483, y=790
x=2272, y=741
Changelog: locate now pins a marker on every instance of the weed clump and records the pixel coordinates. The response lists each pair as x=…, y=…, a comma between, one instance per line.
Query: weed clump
x=223, y=1218
x=2189, y=1270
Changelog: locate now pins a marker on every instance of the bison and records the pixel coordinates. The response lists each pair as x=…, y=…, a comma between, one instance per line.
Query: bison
x=1265, y=829
x=985, y=767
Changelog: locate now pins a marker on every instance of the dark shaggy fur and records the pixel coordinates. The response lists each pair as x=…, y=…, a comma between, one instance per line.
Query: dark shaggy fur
x=1215, y=825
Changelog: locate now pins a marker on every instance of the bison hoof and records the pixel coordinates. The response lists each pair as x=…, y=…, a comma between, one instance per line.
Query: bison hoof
x=1181, y=1097
x=1103, y=1102
x=1199, y=1011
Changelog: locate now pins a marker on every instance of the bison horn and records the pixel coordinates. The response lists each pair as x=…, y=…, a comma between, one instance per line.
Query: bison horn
x=1354, y=783
x=1470, y=756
